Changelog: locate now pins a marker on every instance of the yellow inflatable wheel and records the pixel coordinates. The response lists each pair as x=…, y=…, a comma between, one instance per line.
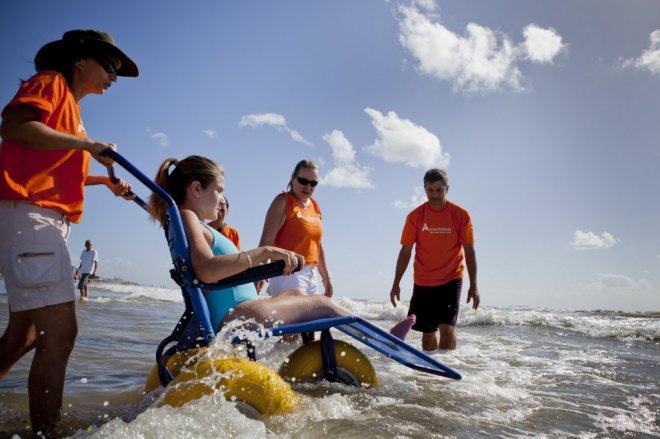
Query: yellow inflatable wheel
x=306, y=365
x=241, y=380
x=174, y=364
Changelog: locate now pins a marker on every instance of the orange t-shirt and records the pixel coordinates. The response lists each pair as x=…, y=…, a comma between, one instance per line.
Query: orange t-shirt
x=302, y=229
x=231, y=234
x=53, y=179
x=438, y=236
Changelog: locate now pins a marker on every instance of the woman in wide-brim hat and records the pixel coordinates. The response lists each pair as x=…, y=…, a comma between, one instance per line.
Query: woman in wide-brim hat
x=44, y=163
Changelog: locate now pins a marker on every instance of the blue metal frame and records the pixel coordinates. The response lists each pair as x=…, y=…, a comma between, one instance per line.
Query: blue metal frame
x=194, y=328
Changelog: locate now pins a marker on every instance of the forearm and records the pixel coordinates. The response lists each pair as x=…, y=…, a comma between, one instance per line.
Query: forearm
x=401, y=265
x=219, y=267
x=37, y=135
x=323, y=268
x=471, y=263
x=92, y=180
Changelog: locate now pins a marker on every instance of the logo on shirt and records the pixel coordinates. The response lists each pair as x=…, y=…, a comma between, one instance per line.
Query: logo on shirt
x=81, y=127
x=309, y=219
x=435, y=230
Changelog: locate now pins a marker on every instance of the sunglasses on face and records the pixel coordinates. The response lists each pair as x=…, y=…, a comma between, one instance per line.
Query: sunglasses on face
x=306, y=182
x=107, y=65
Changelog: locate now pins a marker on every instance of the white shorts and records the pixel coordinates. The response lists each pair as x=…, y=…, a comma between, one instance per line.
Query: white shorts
x=34, y=259
x=305, y=280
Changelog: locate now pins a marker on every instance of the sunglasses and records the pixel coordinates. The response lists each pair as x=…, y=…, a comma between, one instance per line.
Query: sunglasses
x=306, y=182
x=107, y=65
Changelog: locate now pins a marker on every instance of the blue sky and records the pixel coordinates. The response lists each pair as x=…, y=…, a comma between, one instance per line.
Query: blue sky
x=545, y=115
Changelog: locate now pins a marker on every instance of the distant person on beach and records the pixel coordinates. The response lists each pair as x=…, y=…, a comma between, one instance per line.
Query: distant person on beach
x=89, y=263
x=221, y=226
x=293, y=222
x=442, y=235
x=196, y=185
x=44, y=163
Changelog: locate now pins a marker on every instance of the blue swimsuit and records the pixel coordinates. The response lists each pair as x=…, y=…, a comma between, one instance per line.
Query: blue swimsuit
x=220, y=302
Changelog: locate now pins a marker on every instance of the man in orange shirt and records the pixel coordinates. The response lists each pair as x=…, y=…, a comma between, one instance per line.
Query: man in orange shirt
x=44, y=163
x=221, y=226
x=442, y=234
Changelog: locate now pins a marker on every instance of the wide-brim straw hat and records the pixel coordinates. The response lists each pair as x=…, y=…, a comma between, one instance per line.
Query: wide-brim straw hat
x=88, y=43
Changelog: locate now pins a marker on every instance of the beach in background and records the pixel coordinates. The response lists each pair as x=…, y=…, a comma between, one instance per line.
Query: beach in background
x=527, y=372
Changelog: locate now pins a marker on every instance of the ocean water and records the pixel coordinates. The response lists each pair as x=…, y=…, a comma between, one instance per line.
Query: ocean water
x=527, y=372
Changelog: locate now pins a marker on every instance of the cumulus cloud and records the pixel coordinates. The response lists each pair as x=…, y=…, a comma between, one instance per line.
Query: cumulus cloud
x=346, y=172
x=611, y=281
x=427, y=5
x=212, y=134
x=418, y=197
x=650, y=58
x=274, y=120
x=401, y=141
x=591, y=241
x=541, y=45
x=159, y=137
x=481, y=60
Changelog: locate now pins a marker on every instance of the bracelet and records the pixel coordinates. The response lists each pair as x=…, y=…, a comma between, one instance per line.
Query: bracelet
x=248, y=258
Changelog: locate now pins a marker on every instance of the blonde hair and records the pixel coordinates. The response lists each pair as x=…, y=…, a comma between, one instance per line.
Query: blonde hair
x=175, y=183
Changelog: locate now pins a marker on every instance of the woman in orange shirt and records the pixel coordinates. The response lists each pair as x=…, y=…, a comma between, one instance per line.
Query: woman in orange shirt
x=44, y=162
x=293, y=222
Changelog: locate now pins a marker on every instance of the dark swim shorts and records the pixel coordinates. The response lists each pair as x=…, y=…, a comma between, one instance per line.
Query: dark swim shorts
x=435, y=305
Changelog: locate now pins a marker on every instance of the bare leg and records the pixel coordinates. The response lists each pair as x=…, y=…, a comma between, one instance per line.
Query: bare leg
x=429, y=341
x=447, y=337
x=56, y=330
x=401, y=329
x=291, y=306
x=18, y=339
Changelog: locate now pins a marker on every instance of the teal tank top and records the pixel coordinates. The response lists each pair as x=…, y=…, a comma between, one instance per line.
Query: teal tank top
x=220, y=302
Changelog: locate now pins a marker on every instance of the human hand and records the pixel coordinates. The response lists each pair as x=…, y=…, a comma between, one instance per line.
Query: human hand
x=121, y=188
x=473, y=294
x=395, y=295
x=258, y=285
x=291, y=259
x=96, y=148
x=327, y=286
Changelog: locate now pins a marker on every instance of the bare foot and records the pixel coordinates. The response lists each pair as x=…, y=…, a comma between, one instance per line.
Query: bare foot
x=400, y=330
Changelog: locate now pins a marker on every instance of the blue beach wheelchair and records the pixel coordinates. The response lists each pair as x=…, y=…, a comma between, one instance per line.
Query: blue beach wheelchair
x=186, y=373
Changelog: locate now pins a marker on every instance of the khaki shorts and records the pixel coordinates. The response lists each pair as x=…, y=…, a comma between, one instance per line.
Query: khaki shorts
x=34, y=259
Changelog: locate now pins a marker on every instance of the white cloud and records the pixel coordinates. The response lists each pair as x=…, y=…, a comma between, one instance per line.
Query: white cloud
x=650, y=58
x=591, y=241
x=401, y=141
x=541, y=45
x=418, y=197
x=482, y=60
x=159, y=137
x=428, y=5
x=256, y=120
x=342, y=149
x=347, y=172
x=274, y=120
x=212, y=134
x=611, y=281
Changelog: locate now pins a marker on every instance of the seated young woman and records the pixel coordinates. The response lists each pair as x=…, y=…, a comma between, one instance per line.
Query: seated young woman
x=196, y=185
